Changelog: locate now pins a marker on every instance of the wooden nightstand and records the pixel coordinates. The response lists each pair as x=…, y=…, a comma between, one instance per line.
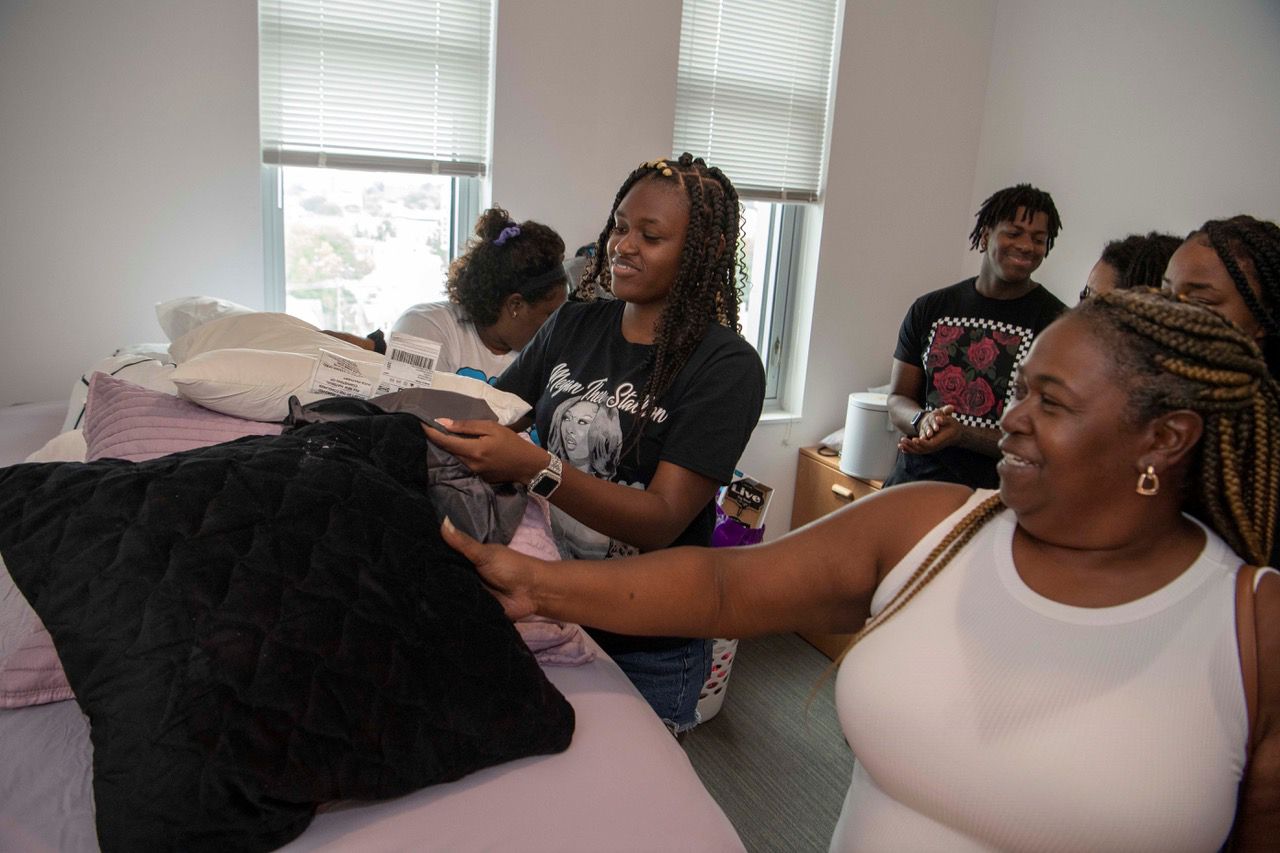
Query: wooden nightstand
x=821, y=488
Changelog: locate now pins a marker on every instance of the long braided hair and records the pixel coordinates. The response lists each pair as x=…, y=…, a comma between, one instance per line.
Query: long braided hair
x=1247, y=245
x=1002, y=206
x=707, y=289
x=1172, y=355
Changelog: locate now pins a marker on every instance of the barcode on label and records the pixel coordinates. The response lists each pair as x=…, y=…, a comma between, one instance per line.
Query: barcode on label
x=412, y=358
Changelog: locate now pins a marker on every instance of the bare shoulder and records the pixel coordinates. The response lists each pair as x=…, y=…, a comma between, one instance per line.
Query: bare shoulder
x=895, y=519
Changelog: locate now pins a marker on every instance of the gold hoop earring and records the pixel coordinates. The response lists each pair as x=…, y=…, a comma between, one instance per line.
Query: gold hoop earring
x=1148, y=482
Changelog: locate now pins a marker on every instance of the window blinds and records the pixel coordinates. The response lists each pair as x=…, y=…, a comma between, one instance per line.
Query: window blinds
x=753, y=92
x=385, y=85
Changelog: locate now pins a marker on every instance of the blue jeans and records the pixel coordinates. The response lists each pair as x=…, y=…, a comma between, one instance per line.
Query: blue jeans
x=670, y=680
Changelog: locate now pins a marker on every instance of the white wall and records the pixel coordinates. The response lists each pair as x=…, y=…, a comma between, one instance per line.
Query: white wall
x=129, y=174
x=1136, y=115
x=585, y=92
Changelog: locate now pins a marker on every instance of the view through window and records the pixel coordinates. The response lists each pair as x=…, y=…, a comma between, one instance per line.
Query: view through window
x=360, y=247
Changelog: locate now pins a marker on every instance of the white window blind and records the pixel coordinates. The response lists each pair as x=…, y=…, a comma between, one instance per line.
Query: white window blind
x=383, y=85
x=753, y=92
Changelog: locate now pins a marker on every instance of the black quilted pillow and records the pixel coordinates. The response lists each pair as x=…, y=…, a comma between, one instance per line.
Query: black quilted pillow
x=262, y=626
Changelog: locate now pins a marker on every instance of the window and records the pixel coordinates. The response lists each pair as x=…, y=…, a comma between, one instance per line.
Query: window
x=753, y=96
x=375, y=140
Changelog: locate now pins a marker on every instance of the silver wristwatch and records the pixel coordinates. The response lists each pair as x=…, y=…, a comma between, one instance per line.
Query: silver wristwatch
x=547, y=480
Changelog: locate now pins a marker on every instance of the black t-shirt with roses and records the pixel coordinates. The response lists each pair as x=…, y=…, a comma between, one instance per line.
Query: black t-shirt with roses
x=584, y=381
x=968, y=346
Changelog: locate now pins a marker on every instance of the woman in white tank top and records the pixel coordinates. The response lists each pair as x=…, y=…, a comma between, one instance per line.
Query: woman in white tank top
x=1051, y=667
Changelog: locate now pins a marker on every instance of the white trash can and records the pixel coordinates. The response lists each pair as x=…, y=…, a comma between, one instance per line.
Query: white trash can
x=870, y=444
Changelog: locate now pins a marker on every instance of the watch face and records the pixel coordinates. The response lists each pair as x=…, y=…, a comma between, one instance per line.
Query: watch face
x=543, y=486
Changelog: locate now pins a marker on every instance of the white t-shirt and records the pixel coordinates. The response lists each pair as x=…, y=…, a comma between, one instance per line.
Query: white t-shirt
x=461, y=350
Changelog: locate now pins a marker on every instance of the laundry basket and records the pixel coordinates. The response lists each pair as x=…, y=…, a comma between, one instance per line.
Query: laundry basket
x=712, y=695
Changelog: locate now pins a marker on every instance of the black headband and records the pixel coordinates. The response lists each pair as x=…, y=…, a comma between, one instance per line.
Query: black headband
x=532, y=285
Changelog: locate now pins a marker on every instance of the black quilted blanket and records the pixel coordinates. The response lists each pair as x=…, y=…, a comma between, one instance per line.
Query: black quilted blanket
x=262, y=626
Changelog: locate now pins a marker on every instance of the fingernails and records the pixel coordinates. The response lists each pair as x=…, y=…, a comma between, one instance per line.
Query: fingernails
x=448, y=422
x=448, y=525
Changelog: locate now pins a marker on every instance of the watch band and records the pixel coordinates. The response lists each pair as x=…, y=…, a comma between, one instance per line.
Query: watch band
x=546, y=481
x=915, y=421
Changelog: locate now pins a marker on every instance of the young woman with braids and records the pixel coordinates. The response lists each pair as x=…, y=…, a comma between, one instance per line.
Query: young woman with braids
x=665, y=394
x=1053, y=666
x=1233, y=266
x=502, y=289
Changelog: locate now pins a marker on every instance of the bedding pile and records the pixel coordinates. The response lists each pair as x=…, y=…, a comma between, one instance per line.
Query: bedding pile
x=258, y=627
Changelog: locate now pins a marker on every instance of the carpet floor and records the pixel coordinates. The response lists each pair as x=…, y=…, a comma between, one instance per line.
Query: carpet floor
x=779, y=769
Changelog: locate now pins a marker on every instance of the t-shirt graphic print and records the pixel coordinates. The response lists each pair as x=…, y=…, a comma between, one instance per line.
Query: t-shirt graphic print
x=970, y=363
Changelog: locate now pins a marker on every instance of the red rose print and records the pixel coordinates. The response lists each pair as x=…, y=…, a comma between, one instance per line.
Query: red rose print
x=950, y=383
x=937, y=357
x=982, y=354
x=977, y=399
x=1007, y=340
x=944, y=335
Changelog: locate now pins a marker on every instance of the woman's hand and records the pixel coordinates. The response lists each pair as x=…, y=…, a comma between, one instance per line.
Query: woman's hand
x=507, y=573
x=490, y=450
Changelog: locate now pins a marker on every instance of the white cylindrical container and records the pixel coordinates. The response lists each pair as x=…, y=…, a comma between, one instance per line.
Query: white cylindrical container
x=870, y=443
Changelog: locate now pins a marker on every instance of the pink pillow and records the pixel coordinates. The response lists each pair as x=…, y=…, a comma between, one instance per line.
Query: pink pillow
x=30, y=671
x=127, y=421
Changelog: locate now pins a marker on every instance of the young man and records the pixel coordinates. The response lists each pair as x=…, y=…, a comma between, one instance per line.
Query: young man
x=959, y=346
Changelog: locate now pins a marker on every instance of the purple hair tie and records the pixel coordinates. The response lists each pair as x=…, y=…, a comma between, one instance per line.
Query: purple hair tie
x=506, y=234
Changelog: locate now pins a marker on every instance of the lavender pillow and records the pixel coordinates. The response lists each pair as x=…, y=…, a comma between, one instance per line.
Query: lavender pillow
x=127, y=421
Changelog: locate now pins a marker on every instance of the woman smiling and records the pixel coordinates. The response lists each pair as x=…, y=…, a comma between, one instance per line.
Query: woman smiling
x=661, y=378
x=1054, y=666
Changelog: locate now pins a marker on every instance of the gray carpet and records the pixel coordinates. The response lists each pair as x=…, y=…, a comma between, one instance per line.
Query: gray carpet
x=779, y=771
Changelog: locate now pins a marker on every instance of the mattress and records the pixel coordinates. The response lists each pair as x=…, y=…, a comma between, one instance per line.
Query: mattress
x=624, y=784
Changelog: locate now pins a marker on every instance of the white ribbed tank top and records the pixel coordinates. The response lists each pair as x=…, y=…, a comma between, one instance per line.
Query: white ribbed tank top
x=985, y=716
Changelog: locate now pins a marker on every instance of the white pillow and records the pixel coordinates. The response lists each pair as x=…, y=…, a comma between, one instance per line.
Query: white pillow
x=263, y=330
x=68, y=447
x=138, y=369
x=257, y=384
x=179, y=316
x=246, y=383
x=507, y=406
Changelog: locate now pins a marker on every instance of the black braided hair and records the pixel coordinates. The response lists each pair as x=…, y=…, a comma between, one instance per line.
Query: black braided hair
x=1003, y=206
x=1140, y=259
x=487, y=273
x=707, y=289
x=1251, y=247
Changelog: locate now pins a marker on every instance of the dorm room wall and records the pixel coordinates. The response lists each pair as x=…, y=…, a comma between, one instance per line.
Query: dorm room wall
x=128, y=175
x=1138, y=115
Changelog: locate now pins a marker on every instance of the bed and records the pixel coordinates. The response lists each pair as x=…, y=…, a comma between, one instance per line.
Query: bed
x=623, y=783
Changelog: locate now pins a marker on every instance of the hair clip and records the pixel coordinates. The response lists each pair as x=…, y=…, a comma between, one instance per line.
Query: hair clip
x=506, y=234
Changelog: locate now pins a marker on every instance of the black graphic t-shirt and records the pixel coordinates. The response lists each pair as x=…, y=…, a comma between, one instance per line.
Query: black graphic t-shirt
x=584, y=380
x=968, y=346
